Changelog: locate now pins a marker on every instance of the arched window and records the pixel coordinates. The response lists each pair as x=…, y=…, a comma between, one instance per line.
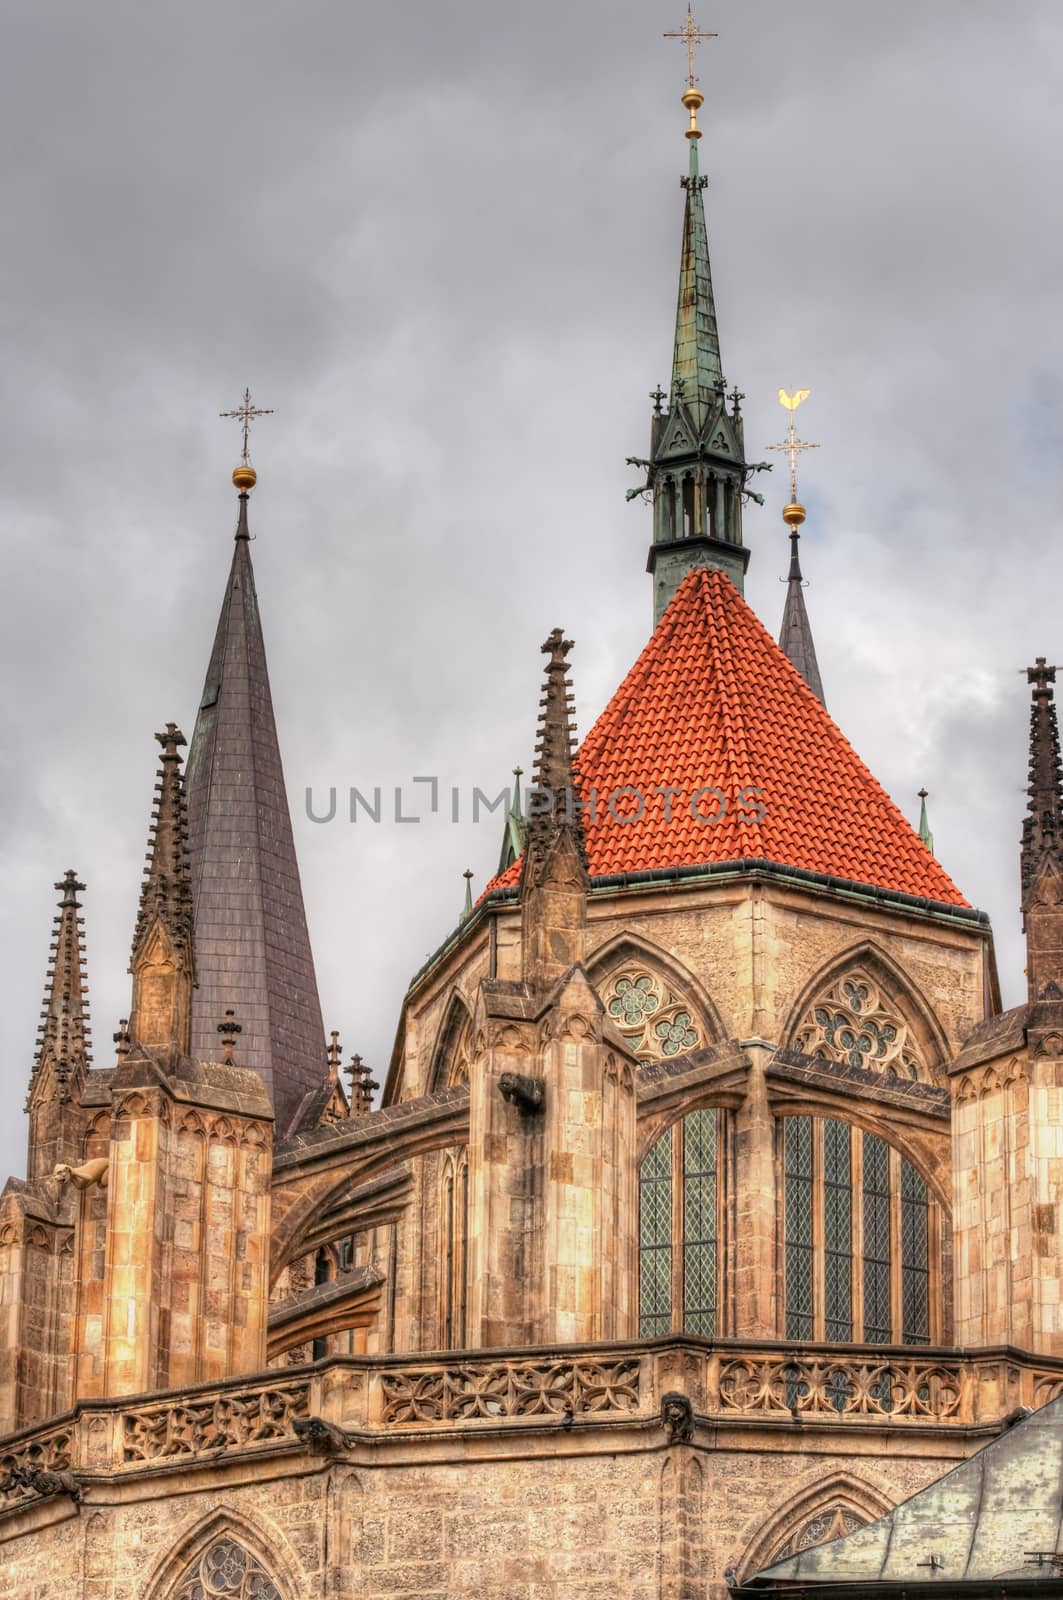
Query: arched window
x=831, y=1522
x=226, y=1571
x=680, y=1228
x=860, y=1230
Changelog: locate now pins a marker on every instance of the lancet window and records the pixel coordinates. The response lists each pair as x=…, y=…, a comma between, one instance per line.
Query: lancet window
x=860, y=1236
x=226, y=1571
x=454, y=1215
x=680, y=1228
x=656, y=1022
x=855, y=1023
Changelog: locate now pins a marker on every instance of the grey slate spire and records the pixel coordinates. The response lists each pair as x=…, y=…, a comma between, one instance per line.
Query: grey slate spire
x=252, y=946
x=795, y=635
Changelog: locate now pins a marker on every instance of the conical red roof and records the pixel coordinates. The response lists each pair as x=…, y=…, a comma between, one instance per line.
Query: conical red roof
x=712, y=703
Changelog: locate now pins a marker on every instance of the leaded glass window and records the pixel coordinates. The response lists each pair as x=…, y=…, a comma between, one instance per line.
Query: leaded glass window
x=859, y=1229
x=226, y=1571
x=679, y=1229
x=655, y=1021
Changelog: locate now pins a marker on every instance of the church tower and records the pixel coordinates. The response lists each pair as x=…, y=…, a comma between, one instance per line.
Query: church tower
x=697, y=471
x=252, y=944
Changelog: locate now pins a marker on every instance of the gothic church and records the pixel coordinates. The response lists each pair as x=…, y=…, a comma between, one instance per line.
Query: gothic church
x=711, y=1206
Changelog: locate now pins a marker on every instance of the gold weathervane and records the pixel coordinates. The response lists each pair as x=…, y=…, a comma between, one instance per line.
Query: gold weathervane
x=244, y=476
x=793, y=514
x=692, y=36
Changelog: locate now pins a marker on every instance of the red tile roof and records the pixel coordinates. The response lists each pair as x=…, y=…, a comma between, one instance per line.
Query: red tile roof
x=712, y=702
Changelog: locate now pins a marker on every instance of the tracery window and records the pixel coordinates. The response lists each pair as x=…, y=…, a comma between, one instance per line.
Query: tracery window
x=226, y=1569
x=859, y=1227
x=655, y=1021
x=854, y=1023
x=680, y=1228
x=830, y=1523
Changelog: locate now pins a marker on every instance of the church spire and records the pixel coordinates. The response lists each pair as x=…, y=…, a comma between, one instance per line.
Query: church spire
x=62, y=1057
x=554, y=876
x=696, y=471
x=162, y=961
x=1042, y=841
x=795, y=635
x=252, y=945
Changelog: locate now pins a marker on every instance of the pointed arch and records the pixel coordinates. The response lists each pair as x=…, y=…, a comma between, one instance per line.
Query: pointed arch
x=929, y=1044
x=629, y=956
x=445, y=1068
x=838, y=1498
x=266, y=1550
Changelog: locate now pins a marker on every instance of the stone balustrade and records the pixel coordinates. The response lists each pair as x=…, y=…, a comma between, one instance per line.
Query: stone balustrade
x=353, y=1402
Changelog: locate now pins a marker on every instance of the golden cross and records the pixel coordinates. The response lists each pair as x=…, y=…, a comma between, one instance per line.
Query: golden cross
x=792, y=444
x=692, y=35
x=247, y=414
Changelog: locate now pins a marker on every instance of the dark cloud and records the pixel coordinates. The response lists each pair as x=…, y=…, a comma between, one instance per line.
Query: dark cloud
x=442, y=242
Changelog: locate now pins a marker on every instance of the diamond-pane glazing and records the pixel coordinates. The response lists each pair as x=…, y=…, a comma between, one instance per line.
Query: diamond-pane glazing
x=699, y=1223
x=797, y=1146
x=655, y=1240
x=837, y=1231
x=876, y=1199
x=915, y=1256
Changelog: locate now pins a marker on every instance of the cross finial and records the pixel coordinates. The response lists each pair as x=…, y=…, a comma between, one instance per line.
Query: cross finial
x=691, y=36
x=1040, y=674
x=658, y=396
x=228, y=1030
x=792, y=444
x=246, y=414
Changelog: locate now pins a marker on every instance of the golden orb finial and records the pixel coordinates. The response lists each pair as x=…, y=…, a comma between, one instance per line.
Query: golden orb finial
x=693, y=99
x=793, y=515
x=245, y=477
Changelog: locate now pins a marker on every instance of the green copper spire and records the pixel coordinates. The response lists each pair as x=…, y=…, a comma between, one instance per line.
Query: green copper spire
x=513, y=833
x=696, y=472
x=924, y=825
x=697, y=375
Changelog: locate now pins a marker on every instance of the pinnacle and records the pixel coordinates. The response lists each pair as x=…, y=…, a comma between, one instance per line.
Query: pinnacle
x=166, y=893
x=64, y=1032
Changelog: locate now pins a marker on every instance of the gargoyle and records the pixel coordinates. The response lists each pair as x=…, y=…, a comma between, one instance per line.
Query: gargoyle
x=83, y=1177
x=321, y=1435
x=527, y=1094
x=44, y=1483
x=677, y=1415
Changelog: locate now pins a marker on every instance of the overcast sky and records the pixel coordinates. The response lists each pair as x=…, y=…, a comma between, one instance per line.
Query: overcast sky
x=442, y=242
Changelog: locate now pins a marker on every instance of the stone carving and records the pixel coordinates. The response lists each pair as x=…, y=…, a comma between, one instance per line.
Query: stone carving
x=804, y=1387
x=221, y=1422
x=48, y=1454
x=853, y=1023
x=226, y=1569
x=677, y=1415
x=39, y=1481
x=490, y=1391
x=527, y=1094
x=84, y=1177
x=321, y=1435
x=656, y=1023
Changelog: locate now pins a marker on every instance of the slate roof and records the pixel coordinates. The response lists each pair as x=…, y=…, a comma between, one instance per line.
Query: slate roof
x=982, y=1522
x=252, y=945
x=713, y=701
x=795, y=634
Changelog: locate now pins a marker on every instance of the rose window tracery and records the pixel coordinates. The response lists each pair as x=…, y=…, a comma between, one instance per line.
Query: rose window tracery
x=656, y=1023
x=853, y=1023
x=226, y=1571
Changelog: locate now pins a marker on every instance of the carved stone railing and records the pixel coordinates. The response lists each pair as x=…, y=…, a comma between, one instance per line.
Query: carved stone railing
x=219, y=1422
x=369, y=1402
x=495, y=1390
x=50, y=1450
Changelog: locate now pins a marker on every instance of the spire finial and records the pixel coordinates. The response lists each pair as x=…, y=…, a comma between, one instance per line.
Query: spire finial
x=693, y=98
x=63, y=1035
x=244, y=475
x=924, y=824
x=1042, y=829
x=468, y=876
x=555, y=788
x=335, y=1056
x=165, y=911
x=363, y=1087
x=793, y=514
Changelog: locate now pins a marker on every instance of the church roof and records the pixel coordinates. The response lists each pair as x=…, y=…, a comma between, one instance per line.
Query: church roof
x=712, y=703
x=989, y=1519
x=252, y=945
